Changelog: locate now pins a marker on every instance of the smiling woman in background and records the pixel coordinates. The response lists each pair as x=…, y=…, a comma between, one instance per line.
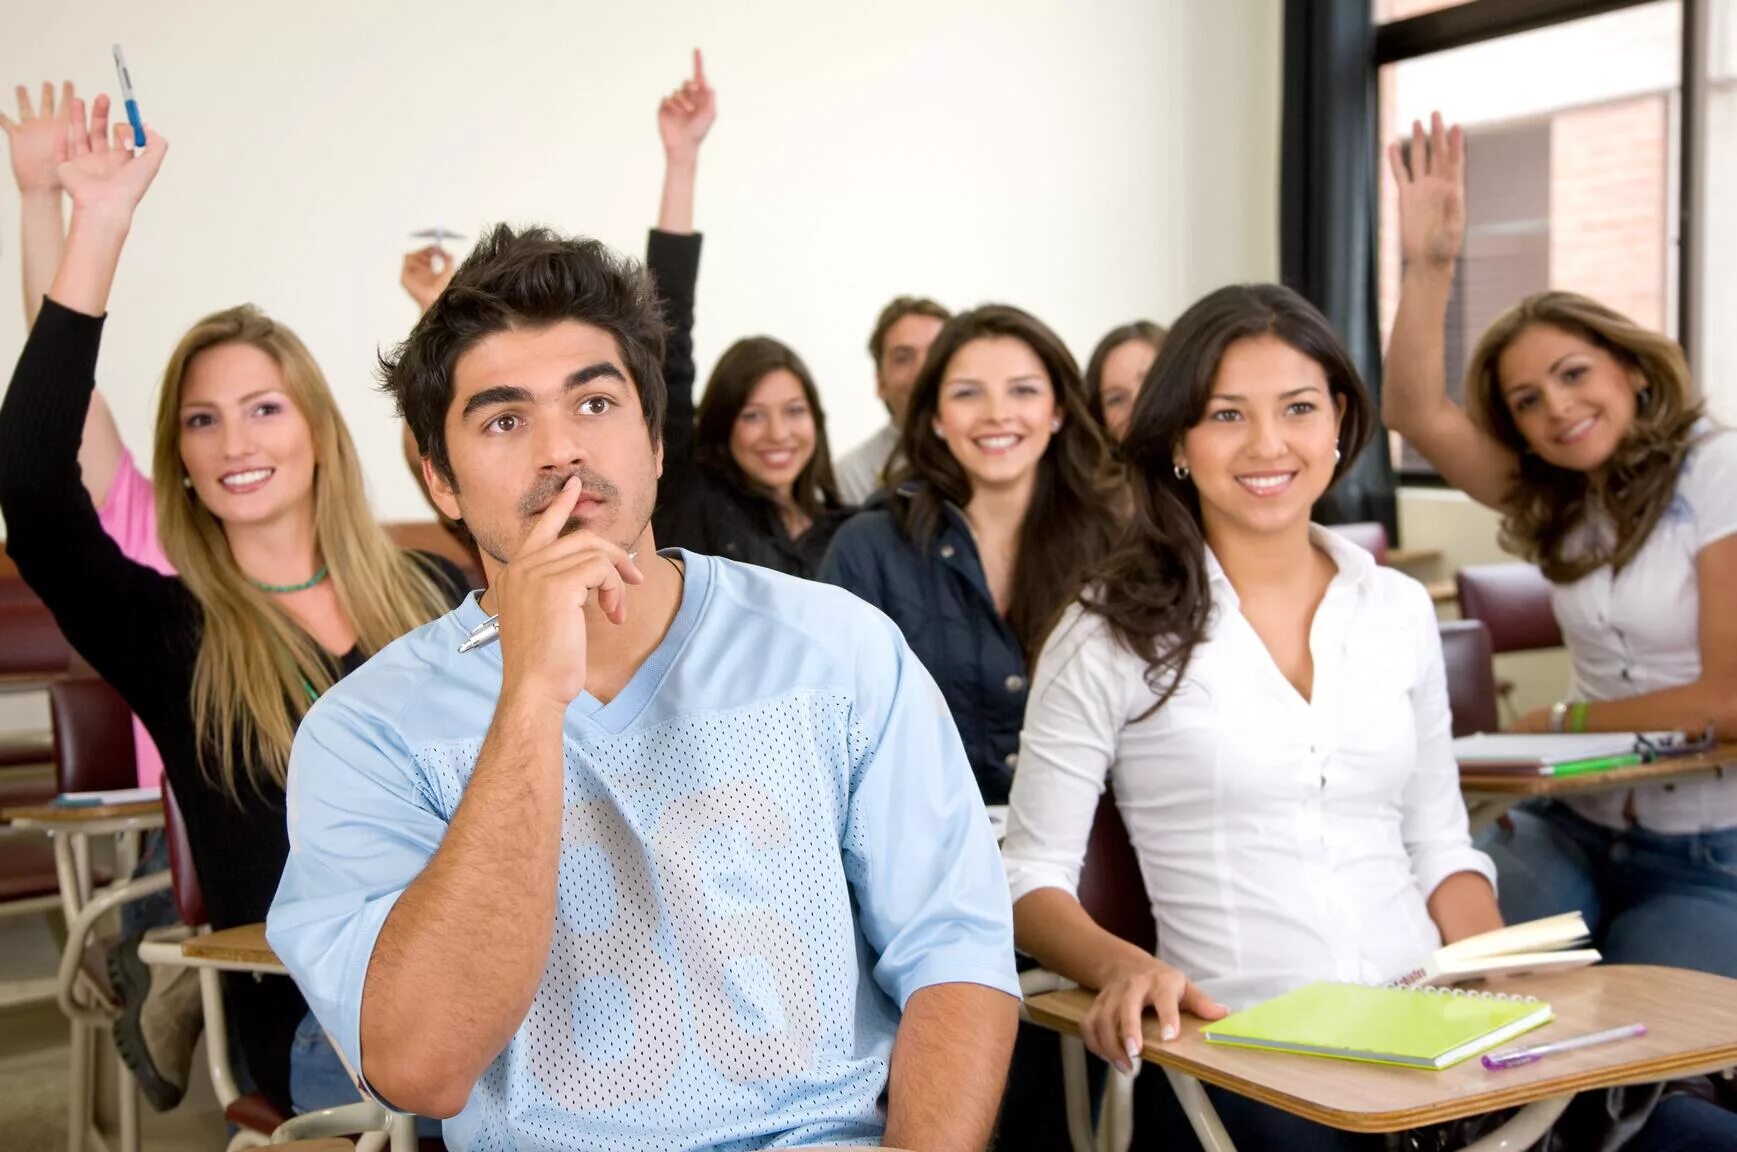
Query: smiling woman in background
x=285, y=581
x=756, y=484
x=1003, y=504
x=1585, y=433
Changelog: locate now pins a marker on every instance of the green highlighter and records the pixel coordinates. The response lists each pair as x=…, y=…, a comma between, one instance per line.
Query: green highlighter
x=1601, y=764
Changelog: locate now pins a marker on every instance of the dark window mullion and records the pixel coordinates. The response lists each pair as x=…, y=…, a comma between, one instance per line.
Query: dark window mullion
x=1480, y=20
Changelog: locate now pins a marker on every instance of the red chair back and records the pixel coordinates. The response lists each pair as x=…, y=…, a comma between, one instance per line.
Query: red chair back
x=1471, y=676
x=1513, y=601
x=189, y=897
x=93, y=737
x=1111, y=889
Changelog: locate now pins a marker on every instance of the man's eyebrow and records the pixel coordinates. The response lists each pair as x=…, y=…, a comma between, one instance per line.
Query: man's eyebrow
x=603, y=369
x=499, y=394
x=513, y=394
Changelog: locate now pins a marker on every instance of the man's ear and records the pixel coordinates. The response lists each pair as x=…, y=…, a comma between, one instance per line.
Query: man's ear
x=657, y=458
x=441, y=492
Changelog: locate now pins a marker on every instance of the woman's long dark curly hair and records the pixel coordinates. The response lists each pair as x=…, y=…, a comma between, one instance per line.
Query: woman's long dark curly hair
x=1547, y=505
x=1154, y=593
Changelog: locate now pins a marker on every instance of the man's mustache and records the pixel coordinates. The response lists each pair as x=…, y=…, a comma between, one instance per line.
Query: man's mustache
x=543, y=491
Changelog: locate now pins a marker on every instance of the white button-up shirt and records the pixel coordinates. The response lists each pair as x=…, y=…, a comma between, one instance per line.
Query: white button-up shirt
x=1281, y=840
x=1638, y=631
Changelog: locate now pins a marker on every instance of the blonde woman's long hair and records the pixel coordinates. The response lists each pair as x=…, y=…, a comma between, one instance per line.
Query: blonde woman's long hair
x=257, y=672
x=1547, y=508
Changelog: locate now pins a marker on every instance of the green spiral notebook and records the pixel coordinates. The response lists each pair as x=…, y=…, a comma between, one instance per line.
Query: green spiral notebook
x=1413, y=1027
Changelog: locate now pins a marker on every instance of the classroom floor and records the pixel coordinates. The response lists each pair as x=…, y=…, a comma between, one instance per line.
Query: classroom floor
x=33, y=1065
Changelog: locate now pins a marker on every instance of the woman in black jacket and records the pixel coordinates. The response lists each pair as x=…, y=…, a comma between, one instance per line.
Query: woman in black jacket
x=751, y=477
x=1004, y=505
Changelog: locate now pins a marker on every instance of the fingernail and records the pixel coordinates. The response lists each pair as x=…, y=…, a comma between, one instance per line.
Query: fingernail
x=1170, y=1032
x=569, y=482
x=1133, y=1048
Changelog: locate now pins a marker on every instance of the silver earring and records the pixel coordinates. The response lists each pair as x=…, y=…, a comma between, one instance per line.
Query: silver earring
x=1644, y=399
x=186, y=481
x=1181, y=471
x=1337, y=455
x=1055, y=425
x=939, y=435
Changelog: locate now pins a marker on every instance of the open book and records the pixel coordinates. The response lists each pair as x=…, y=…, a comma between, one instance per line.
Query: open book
x=1546, y=945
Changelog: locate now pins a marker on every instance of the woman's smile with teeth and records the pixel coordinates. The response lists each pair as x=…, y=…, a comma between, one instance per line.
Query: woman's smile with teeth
x=1578, y=431
x=1267, y=483
x=246, y=479
x=1000, y=442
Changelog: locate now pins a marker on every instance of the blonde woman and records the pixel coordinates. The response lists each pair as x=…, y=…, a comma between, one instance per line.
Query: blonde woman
x=285, y=580
x=1583, y=430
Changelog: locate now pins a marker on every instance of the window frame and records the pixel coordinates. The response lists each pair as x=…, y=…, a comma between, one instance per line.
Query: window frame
x=1479, y=21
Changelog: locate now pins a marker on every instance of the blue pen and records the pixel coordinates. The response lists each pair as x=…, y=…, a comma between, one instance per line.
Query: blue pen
x=127, y=96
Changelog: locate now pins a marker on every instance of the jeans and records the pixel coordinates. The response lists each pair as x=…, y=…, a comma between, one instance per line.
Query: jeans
x=318, y=1079
x=1648, y=898
x=158, y=909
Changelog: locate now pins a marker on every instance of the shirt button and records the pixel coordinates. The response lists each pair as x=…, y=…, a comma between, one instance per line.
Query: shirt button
x=1015, y=683
x=946, y=551
x=1627, y=674
x=1011, y=759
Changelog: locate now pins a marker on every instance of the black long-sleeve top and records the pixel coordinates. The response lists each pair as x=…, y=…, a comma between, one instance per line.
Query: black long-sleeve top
x=697, y=507
x=141, y=631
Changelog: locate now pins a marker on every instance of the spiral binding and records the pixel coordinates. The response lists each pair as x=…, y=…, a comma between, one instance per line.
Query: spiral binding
x=1442, y=990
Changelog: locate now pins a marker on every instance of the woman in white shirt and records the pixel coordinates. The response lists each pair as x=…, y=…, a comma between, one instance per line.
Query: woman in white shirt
x=1584, y=431
x=1269, y=705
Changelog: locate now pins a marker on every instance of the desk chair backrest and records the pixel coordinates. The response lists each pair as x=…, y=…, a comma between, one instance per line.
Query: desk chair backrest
x=93, y=737
x=30, y=640
x=189, y=897
x=1471, y=676
x=1513, y=601
x=1369, y=535
x=1111, y=888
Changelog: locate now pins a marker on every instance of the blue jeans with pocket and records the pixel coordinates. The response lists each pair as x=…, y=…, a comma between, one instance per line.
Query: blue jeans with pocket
x=1648, y=897
x=318, y=1079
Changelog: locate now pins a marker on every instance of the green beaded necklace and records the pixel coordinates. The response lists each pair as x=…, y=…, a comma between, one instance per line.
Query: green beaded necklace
x=283, y=589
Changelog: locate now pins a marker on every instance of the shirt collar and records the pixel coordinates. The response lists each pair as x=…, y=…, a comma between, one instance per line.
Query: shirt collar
x=1356, y=566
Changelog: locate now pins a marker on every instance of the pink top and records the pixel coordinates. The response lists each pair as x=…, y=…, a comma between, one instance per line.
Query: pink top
x=129, y=516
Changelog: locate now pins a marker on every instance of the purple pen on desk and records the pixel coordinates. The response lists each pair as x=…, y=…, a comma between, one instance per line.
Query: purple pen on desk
x=133, y=116
x=1515, y=1057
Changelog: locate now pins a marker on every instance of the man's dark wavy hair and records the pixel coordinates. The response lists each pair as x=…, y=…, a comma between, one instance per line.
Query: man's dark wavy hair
x=526, y=279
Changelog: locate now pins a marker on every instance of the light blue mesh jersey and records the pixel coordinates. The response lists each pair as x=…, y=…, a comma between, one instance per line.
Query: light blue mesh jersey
x=772, y=839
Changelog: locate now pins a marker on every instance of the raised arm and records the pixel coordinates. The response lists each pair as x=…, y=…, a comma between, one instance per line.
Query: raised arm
x=683, y=119
x=42, y=239
x=117, y=614
x=673, y=257
x=1414, y=398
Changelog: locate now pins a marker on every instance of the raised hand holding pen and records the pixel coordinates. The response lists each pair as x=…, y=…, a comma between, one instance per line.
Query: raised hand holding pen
x=541, y=598
x=105, y=181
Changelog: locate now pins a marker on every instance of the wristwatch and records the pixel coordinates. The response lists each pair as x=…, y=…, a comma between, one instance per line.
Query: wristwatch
x=1559, y=716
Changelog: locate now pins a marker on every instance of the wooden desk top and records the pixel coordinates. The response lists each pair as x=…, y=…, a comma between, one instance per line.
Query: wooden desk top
x=1442, y=591
x=72, y=816
x=1691, y=1020
x=243, y=945
x=332, y=1145
x=1720, y=759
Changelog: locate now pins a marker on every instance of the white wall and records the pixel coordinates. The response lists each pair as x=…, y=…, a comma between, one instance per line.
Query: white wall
x=1093, y=162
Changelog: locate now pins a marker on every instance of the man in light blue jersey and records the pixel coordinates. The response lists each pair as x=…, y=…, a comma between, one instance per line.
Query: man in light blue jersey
x=692, y=857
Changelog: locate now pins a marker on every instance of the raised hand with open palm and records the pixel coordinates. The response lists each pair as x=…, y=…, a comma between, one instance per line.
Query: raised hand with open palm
x=1432, y=192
